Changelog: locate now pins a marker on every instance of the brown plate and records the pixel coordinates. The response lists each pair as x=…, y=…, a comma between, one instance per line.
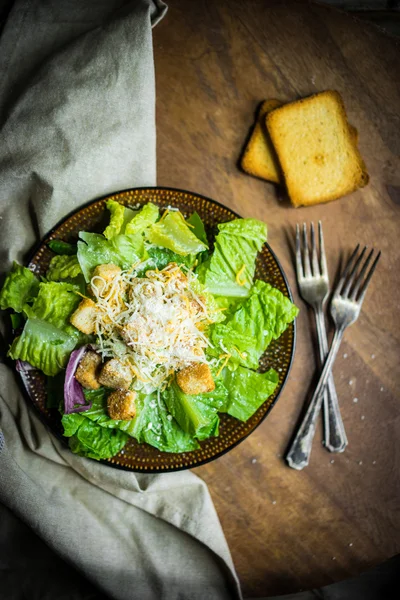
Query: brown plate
x=142, y=457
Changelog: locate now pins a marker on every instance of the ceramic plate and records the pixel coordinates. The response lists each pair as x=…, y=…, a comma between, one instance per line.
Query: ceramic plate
x=142, y=457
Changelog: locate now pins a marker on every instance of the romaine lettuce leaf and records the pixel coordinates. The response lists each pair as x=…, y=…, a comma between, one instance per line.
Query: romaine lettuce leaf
x=122, y=250
x=198, y=227
x=48, y=338
x=44, y=346
x=55, y=303
x=247, y=332
x=247, y=390
x=161, y=257
x=90, y=439
x=20, y=286
x=63, y=267
x=143, y=219
x=152, y=423
x=197, y=413
x=235, y=251
x=172, y=232
x=61, y=247
x=117, y=211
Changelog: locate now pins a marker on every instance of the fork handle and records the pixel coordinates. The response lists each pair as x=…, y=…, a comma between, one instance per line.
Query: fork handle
x=299, y=452
x=335, y=439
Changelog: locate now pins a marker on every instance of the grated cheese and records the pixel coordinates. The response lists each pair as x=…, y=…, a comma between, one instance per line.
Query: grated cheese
x=153, y=324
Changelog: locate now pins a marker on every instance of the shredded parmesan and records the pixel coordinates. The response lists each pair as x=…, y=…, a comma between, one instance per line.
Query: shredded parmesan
x=239, y=274
x=152, y=324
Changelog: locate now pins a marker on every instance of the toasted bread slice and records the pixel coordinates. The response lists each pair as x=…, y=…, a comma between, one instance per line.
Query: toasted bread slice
x=316, y=149
x=259, y=158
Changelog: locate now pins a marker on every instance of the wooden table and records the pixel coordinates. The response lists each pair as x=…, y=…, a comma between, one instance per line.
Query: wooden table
x=215, y=61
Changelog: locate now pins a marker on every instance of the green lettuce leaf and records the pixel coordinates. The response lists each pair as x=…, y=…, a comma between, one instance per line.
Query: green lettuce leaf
x=63, y=267
x=152, y=424
x=44, y=346
x=247, y=332
x=55, y=303
x=236, y=246
x=143, y=219
x=60, y=247
x=197, y=413
x=20, y=286
x=161, y=257
x=122, y=250
x=87, y=438
x=48, y=338
x=172, y=232
x=247, y=390
x=117, y=211
x=198, y=227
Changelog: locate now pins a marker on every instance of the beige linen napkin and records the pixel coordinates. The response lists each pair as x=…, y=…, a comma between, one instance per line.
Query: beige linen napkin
x=77, y=115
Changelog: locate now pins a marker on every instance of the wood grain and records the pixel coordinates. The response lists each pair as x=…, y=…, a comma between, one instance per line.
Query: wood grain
x=214, y=63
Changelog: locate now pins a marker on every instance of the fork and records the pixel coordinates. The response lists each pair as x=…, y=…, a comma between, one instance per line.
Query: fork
x=345, y=308
x=313, y=280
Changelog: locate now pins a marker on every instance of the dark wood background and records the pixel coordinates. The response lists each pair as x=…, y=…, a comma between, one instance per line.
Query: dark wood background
x=215, y=61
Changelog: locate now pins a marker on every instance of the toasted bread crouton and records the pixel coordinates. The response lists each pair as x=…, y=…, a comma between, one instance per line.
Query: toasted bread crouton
x=88, y=370
x=102, y=278
x=121, y=405
x=259, y=158
x=316, y=150
x=85, y=316
x=115, y=375
x=196, y=379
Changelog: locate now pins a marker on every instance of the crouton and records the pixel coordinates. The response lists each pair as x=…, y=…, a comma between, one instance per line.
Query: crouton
x=196, y=379
x=102, y=278
x=121, y=405
x=88, y=370
x=84, y=317
x=115, y=375
x=259, y=158
x=316, y=149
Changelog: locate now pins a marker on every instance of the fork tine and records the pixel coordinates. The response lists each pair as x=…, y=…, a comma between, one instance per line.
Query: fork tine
x=323, y=265
x=353, y=273
x=368, y=279
x=360, y=276
x=346, y=270
x=306, y=253
x=314, y=256
x=299, y=265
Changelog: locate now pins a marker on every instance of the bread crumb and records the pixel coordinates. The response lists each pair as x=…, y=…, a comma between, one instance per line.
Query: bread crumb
x=355, y=400
x=345, y=355
x=253, y=460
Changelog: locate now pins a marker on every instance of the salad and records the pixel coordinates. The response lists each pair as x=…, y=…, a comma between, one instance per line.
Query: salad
x=147, y=331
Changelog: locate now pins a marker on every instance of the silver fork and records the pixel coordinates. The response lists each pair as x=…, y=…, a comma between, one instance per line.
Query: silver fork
x=313, y=280
x=345, y=308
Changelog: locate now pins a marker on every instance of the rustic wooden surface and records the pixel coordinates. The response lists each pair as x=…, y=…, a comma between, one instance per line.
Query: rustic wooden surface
x=215, y=62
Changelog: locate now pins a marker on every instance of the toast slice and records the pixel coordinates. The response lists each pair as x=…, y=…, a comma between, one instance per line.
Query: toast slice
x=316, y=150
x=259, y=158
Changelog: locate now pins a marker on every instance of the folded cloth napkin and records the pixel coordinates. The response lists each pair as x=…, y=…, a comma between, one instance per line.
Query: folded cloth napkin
x=77, y=116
